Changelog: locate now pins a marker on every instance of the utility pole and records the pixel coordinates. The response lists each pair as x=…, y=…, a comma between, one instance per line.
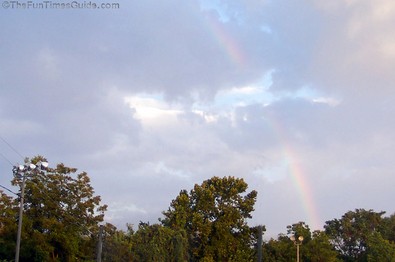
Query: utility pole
x=18, y=237
x=99, y=244
x=259, y=244
x=23, y=171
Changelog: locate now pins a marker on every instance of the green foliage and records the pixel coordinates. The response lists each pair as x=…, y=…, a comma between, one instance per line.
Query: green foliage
x=349, y=234
x=280, y=250
x=214, y=216
x=388, y=228
x=300, y=229
x=319, y=248
x=159, y=243
x=8, y=226
x=60, y=211
x=379, y=249
x=116, y=244
x=297, y=230
x=315, y=246
x=209, y=223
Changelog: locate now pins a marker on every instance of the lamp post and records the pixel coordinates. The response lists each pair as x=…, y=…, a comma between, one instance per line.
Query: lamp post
x=297, y=243
x=23, y=171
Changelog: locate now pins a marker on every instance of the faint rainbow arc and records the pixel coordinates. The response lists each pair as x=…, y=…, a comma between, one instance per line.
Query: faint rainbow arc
x=226, y=41
x=298, y=177
x=237, y=55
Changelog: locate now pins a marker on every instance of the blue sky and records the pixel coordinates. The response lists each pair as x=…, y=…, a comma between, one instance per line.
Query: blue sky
x=296, y=97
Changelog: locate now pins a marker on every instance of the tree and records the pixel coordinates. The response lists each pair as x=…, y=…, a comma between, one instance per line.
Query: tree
x=349, y=234
x=280, y=250
x=60, y=212
x=300, y=229
x=319, y=249
x=388, y=228
x=158, y=243
x=116, y=244
x=315, y=246
x=379, y=249
x=214, y=216
x=8, y=226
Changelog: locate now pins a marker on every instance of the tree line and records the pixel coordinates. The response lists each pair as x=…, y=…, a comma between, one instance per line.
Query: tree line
x=62, y=218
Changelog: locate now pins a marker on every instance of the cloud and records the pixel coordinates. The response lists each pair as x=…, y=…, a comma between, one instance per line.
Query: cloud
x=359, y=44
x=155, y=97
x=151, y=108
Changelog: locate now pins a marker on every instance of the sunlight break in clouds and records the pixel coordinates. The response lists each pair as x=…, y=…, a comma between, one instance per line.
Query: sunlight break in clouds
x=149, y=108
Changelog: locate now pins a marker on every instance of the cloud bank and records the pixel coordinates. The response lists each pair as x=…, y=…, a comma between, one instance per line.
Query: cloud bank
x=153, y=97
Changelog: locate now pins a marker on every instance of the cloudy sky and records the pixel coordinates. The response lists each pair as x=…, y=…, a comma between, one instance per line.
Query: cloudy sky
x=295, y=97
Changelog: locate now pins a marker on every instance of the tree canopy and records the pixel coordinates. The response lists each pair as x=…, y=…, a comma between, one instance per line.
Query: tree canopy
x=60, y=213
x=62, y=216
x=351, y=232
x=214, y=216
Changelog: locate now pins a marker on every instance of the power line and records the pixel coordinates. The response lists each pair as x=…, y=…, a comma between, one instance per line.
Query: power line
x=7, y=159
x=13, y=149
x=9, y=190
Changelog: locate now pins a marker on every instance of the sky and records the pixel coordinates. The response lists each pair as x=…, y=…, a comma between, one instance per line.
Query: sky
x=152, y=97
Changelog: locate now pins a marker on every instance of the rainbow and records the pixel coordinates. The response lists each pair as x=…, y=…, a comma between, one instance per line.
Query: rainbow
x=226, y=41
x=303, y=187
x=237, y=55
x=297, y=173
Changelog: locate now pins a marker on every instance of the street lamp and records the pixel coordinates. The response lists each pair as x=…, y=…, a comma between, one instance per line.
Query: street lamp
x=297, y=242
x=23, y=171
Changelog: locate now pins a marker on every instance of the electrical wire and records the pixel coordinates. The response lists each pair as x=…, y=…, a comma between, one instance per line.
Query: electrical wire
x=9, y=190
x=13, y=149
x=7, y=159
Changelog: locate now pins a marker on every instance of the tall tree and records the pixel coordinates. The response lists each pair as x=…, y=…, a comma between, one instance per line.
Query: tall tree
x=214, y=215
x=60, y=211
x=349, y=234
